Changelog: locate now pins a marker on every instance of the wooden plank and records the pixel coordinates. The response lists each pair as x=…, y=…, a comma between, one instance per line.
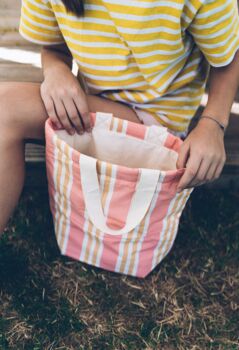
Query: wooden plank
x=35, y=176
x=34, y=153
x=9, y=23
x=10, y=71
x=13, y=66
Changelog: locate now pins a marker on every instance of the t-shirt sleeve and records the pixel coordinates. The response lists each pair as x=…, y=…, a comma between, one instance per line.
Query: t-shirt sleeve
x=38, y=23
x=215, y=29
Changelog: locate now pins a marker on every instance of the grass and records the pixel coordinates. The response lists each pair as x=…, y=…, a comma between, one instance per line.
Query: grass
x=189, y=302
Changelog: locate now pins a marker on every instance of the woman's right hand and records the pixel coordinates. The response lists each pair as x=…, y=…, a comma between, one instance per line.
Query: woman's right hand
x=64, y=100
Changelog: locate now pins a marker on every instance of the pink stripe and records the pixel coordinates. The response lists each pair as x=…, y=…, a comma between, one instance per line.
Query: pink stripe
x=76, y=235
x=124, y=189
x=173, y=142
x=154, y=230
x=110, y=251
x=173, y=176
x=126, y=181
x=92, y=118
x=136, y=130
x=50, y=167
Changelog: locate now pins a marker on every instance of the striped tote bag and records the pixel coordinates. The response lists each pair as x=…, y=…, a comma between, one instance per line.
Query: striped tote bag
x=113, y=193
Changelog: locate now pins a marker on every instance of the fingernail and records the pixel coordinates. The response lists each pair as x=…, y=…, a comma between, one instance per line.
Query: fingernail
x=72, y=131
x=89, y=129
x=58, y=125
x=179, y=189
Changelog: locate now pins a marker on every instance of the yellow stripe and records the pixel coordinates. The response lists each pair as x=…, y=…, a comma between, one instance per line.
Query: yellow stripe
x=38, y=20
x=39, y=38
x=117, y=40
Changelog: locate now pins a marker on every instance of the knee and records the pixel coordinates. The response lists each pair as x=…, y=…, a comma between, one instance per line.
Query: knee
x=6, y=100
x=8, y=120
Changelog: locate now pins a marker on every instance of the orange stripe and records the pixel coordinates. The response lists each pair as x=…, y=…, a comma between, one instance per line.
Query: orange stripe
x=58, y=184
x=108, y=173
x=175, y=222
x=125, y=251
x=133, y=253
x=65, y=190
x=89, y=241
x=112, y=124
x=167, y=226
x=120, y=125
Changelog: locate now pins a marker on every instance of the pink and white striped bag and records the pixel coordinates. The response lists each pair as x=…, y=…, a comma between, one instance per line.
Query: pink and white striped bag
x=113, y=193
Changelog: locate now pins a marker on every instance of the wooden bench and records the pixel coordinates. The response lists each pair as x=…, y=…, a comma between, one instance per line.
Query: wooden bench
x=13, y=68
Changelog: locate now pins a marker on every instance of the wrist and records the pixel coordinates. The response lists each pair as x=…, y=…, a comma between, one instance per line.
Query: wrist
x=220, y=114
x=55, y=68
x=212, y=122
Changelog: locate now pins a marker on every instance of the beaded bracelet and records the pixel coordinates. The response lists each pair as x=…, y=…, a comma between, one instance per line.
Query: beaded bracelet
x=223, y=127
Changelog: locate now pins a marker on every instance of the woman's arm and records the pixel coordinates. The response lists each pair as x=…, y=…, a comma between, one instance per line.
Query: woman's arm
x=203, y=151
x=55, y=55
x=63, y=97
x=223, y=85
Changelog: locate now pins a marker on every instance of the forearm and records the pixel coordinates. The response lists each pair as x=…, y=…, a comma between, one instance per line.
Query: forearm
x=223, y=85
x=55, y=56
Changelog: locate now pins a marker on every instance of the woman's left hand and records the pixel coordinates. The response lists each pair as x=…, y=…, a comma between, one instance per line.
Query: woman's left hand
x=202, y=153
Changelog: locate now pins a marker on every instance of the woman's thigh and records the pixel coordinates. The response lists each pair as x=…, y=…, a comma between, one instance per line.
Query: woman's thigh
x=118, y=109
x=22, y=109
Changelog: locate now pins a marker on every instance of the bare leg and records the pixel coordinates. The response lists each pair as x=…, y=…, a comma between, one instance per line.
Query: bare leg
x=22, y=116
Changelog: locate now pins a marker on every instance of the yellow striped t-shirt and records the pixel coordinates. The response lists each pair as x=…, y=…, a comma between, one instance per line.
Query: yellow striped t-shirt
x=151, y=54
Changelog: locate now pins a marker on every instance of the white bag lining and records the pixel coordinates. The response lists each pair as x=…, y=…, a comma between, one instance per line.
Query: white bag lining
x=120, y=149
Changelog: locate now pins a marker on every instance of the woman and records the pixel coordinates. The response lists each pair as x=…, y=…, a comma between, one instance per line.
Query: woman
x=145, y=61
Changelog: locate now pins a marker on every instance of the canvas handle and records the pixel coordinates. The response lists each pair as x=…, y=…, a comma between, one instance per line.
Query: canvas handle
x=140, y=203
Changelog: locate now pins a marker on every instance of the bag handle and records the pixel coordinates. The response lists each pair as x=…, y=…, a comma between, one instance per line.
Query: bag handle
x=140, y=203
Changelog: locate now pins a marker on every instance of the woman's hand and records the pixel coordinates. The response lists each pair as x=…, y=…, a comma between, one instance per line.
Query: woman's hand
x=64, y=100
x=203, y=155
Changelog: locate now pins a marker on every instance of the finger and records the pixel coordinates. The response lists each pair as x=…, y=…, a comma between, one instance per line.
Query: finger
x=183, y=156
x=211, y=172
x=63, y=117
x=196, y=184
x=83, y=110
x=199, y=184
x=192, y=167
x=73, y=115
x=201, y=173
x=87, y=121
x=219, y=169
x=49, y=105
